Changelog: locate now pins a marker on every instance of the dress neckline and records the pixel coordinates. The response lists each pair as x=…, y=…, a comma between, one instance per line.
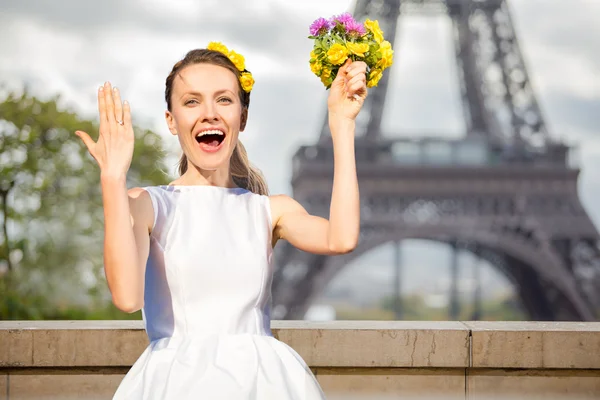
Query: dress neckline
x=192, y=187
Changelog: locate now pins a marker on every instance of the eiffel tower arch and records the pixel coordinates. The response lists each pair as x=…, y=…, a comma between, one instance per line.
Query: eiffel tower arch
x=504, y=191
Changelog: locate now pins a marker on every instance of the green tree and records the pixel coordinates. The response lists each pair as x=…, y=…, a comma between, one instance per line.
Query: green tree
x=414, y=308
x=51, y=210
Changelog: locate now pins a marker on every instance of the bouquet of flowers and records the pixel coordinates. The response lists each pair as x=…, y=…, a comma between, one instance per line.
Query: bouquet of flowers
x=342, y=37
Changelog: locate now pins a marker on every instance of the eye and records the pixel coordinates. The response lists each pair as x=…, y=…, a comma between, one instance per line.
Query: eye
x=191, y=101
x=224, y=100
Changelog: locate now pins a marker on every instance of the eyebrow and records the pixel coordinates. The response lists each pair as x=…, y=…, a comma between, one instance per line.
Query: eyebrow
x=198, y=94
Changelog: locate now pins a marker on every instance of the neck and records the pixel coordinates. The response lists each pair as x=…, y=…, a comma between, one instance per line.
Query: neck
x=196, y=176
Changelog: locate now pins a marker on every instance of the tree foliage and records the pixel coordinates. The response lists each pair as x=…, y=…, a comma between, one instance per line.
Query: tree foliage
x=51, y=209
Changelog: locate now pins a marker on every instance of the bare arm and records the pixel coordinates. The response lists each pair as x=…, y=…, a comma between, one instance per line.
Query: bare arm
x=127, y=217
x=338, y=234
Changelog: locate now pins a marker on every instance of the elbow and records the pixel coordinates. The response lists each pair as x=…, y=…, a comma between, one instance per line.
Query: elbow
x=128, y=306
x=343, y=247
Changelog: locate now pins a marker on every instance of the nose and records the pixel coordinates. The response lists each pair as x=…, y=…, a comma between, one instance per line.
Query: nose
x=209, y=112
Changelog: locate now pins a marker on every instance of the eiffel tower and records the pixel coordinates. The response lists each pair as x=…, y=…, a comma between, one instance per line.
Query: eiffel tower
x=504, y=191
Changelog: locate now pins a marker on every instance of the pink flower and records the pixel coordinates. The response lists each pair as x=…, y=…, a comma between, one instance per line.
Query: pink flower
x=319, y=27
x=349, y=24
x=355, y=29
x=343, y=19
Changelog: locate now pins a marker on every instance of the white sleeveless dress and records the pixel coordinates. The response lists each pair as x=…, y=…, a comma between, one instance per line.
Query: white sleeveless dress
x=207, y=302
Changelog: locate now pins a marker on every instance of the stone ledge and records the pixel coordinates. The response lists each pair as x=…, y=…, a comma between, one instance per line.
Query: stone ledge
x=365, y=344
x=70, y=343
x=533, y=384
x=535, y=345
x=377, y=343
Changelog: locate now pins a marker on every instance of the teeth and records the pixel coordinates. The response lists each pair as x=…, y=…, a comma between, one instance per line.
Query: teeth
x=210, y=132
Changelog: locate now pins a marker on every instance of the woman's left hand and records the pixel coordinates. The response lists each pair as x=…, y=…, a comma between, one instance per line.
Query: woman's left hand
x=349, y=90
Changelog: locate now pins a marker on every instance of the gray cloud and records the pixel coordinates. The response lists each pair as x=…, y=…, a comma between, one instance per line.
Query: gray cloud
x=273, y=31
x=82, y=17
x=568, y=112
x=568, y=27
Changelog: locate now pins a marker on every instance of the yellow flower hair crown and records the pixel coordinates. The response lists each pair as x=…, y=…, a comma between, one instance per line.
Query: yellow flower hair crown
x=246, y=79
x=342, y=37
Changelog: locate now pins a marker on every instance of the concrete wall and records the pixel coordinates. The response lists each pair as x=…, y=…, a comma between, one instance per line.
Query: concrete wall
x=351, y=359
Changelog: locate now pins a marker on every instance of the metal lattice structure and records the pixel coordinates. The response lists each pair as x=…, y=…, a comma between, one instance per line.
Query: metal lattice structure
x=504, y=191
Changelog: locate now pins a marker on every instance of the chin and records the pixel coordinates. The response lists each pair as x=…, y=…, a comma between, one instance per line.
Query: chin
x=211, y=161
x=210, y=164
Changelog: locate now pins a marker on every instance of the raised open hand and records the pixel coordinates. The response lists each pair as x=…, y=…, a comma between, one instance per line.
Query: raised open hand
x=114, y=149
x=349, y=90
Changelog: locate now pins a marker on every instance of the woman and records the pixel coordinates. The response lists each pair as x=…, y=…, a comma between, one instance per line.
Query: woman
x=195, y=255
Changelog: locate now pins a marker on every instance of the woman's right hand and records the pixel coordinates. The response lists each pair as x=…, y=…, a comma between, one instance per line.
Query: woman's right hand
x=114, y=149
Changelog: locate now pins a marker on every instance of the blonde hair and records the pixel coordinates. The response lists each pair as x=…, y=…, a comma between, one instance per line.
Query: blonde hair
x=244, y=174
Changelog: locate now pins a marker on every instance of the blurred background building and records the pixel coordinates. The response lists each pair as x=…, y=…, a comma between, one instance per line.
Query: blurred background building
x=504, y=191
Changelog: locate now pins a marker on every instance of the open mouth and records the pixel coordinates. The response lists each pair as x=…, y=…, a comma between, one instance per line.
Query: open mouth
x=210, y=139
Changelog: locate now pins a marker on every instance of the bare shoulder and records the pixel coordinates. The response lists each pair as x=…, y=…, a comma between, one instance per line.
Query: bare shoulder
x=139, y=196
x=140, y=207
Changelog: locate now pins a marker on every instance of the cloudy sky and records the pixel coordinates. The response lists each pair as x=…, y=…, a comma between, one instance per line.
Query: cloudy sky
x=70, y=47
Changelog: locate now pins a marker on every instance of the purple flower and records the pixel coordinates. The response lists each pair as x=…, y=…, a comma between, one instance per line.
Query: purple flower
x=350, y=25
x=319, y=27
x=344, y=19
x=355, y=29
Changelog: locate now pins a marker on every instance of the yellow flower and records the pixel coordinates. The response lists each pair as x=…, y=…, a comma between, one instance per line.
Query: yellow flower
x=337, y=54
x=374, y=77
x=358, y=48
x=218, y=46
x=326, y=77
x=247, y=81
x=316, y=67
x=387, y=55
x=373, y=26
x=238, y=60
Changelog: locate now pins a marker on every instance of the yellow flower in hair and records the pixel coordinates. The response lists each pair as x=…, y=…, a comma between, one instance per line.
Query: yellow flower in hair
x=247, y=81
x=337, y=54
x=374, y=77
x=358, y=48
x=218, y=46
x=373, y=26
x=237, y=59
